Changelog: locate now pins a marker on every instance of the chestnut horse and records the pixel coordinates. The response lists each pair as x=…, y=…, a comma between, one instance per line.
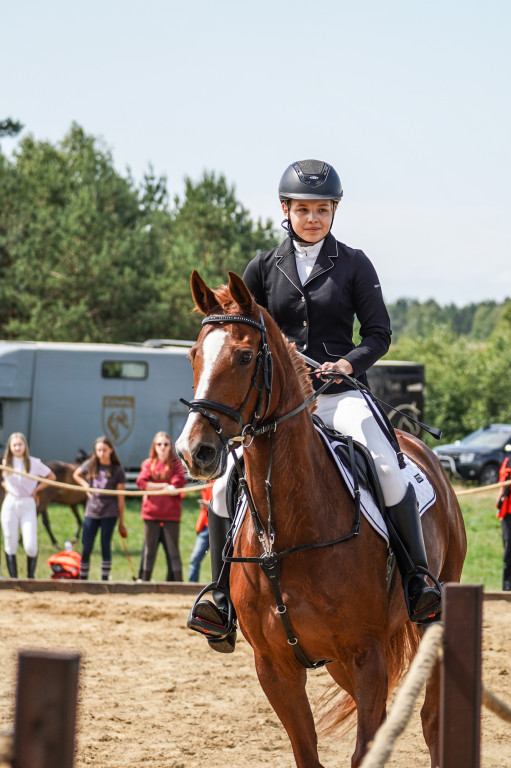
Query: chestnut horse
x=336, y=597
x=63, y=472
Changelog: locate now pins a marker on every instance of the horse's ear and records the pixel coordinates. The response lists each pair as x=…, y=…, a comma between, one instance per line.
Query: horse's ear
x=240, y=293
x=203, y=296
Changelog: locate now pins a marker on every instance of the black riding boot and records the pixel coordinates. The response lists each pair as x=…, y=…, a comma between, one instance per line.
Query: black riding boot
x=423, y=601
x=216, y=619
x=31, y=564
x=12, y=566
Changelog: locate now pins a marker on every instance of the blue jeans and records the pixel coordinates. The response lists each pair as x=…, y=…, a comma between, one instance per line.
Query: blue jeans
x=89, y=530
x=198, y=554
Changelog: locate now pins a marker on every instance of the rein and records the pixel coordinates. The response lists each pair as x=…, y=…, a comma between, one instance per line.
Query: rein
x=269, y=561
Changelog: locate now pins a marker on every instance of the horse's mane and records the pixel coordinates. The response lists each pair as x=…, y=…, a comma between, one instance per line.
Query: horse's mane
x=302, y=373
x=228, y=305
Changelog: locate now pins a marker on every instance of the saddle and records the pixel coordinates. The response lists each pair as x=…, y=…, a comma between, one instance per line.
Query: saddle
x=359, y=464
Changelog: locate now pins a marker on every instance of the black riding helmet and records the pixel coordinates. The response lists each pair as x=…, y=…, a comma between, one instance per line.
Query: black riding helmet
x=309, y=180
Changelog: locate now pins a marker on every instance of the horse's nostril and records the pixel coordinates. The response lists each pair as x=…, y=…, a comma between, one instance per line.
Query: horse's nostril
x=205, y=455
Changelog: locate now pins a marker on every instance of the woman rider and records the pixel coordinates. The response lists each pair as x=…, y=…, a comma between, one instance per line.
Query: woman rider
x=314, y=286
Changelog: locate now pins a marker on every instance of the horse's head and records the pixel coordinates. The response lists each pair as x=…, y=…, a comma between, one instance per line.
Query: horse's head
x=231, y=375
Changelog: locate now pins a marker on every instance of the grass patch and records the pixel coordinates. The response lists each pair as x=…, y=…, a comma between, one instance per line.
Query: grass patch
x=64, y=527
x=482, y=566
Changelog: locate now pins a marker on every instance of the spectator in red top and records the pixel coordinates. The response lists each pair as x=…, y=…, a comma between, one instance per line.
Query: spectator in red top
x=504, y=512
x=161, y=471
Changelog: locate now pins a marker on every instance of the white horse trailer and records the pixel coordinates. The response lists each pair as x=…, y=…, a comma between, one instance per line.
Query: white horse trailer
x=63, y=396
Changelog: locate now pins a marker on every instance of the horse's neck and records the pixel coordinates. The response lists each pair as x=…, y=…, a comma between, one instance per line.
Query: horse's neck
x=300, y=471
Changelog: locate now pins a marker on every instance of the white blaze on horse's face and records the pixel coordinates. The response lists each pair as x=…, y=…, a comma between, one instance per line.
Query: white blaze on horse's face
x=211, y=348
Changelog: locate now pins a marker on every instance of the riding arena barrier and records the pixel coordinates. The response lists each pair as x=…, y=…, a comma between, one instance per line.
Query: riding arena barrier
x=45, y=711
x=48, y=683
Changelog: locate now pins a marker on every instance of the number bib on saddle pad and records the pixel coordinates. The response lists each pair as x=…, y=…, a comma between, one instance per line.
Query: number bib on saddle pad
x=424, y=491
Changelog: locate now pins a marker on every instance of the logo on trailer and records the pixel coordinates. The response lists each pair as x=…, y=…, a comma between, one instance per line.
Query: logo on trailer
x=118, y=417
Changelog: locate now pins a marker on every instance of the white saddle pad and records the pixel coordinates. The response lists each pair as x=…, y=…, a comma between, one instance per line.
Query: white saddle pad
x=424, y=491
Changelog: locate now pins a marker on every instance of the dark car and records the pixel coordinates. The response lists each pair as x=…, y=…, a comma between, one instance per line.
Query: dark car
x=478, y=456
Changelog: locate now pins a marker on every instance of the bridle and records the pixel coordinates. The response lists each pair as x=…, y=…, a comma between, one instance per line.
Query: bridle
x=263, y=366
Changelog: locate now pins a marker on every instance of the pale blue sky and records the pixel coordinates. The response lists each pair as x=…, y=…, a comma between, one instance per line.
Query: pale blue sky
x=410, y=101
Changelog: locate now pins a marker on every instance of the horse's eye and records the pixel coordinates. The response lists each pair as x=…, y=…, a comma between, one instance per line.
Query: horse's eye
x=246, y=357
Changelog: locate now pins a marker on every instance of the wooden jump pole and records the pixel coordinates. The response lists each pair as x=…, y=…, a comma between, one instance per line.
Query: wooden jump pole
x=460, y=697
x=46, y=701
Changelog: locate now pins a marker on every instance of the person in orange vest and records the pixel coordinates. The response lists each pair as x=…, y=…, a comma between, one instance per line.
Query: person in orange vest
x=202, y=541
x=504, y=513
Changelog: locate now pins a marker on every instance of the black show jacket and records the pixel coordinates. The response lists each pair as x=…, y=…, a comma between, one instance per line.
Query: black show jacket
x=319, y=315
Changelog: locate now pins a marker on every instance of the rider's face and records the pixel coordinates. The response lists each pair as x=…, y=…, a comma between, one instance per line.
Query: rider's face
x=310, y=219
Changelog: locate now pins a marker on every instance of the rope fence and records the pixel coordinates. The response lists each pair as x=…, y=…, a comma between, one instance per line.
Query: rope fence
x=107, y=492
x=192, y=487
x=430, y=649
x=482, y=488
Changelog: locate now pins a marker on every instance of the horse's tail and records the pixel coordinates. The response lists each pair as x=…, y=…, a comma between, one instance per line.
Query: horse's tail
x=336, y=708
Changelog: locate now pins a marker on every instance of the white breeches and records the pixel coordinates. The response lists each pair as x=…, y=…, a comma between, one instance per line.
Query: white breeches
x=349, y=414
x=219, y=501
x=19, y=513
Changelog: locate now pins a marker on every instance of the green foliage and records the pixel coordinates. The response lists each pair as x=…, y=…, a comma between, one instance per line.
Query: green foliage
x=87, y=255
x=484, y=541
x=211, y=232
x=467, y=383
x=475, y=321
x=10, y=127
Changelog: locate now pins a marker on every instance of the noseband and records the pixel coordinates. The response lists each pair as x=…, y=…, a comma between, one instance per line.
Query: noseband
x=263, y=366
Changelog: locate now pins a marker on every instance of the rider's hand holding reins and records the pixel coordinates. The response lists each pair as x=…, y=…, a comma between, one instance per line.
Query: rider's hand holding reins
x=343, y=366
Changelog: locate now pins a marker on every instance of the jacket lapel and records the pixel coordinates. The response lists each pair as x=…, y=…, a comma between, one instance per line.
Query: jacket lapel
x=286, y=263
x=326, y=258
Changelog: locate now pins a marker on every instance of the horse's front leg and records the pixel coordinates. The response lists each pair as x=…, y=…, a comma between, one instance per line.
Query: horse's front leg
x=284, y=686
x=366, y=680
x=43, y=511
x=430, y=715
x=78, y=519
